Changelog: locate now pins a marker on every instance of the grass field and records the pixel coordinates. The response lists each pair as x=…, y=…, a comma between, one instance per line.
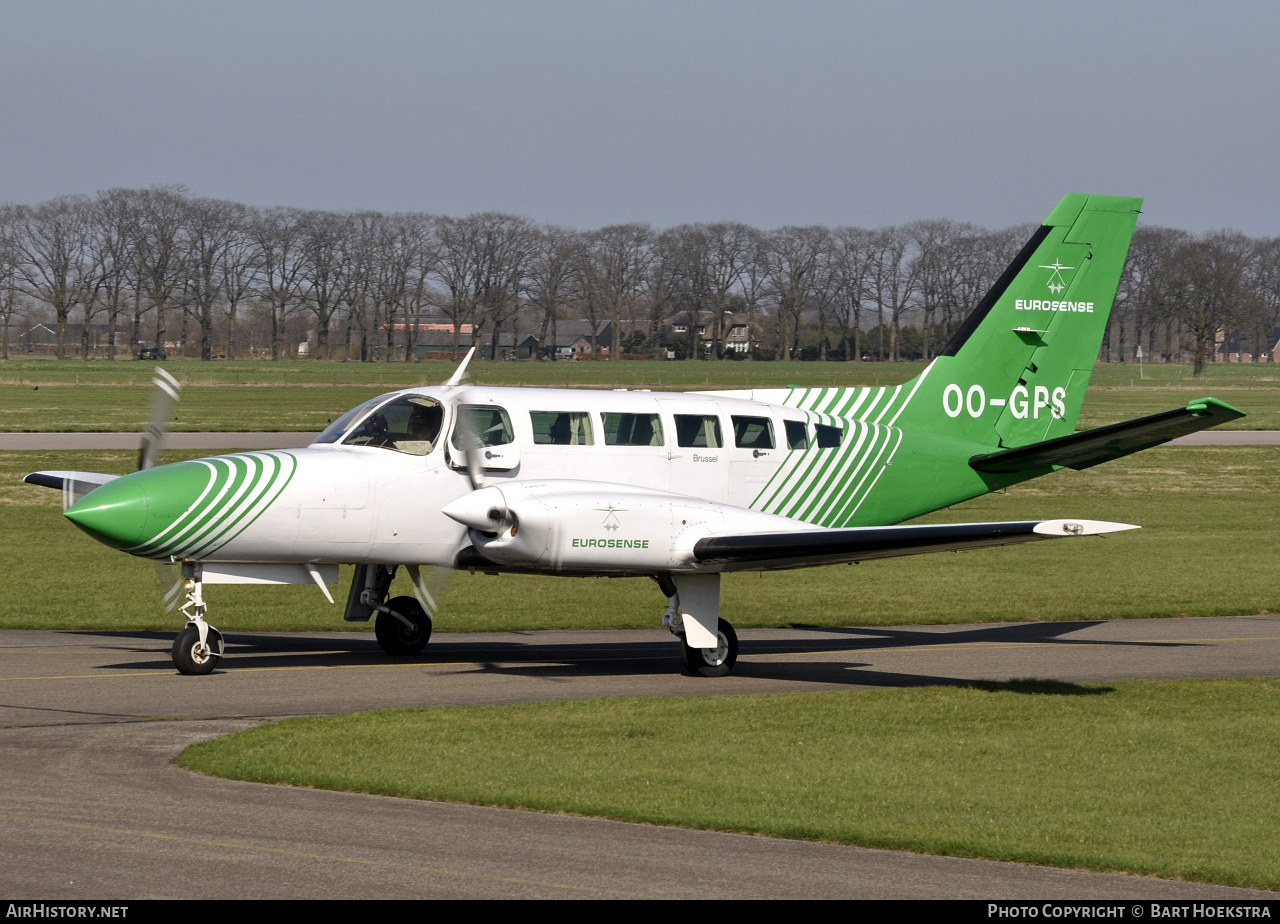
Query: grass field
x=1209, y=546
x=1175, y=779
x=45, y=395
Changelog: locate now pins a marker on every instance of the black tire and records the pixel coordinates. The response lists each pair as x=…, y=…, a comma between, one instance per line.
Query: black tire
x=188, y=660
x=394, y=636
x=711, y=662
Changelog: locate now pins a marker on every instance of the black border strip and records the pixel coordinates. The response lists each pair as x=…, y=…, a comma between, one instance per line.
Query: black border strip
x=979, y=314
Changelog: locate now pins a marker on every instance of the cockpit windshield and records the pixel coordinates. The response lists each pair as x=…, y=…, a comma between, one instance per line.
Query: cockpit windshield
x=338, y=429
x=409, y=423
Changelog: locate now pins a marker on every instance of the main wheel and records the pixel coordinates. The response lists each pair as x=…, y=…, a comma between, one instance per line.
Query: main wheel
x=189, y=658
x=394, y=636
x=711, y=662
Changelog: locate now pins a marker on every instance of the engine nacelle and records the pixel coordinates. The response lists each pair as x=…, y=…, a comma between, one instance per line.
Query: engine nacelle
x=597, y=527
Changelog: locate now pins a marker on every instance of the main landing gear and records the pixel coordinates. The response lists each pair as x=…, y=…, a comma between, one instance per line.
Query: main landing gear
x=692, y=613
x=198, y=647
x=403, y=625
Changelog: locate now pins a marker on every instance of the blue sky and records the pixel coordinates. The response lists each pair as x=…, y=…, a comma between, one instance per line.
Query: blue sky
x=586, y=114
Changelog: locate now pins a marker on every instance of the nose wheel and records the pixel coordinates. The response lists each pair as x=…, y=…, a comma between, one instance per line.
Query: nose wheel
x=199, y=647
x=191, y=655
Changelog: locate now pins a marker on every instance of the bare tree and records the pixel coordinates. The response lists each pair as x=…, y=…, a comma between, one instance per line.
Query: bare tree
x=52, y=246
x=941, y=248
x=797, y=262
x=1135, y=313
x=850, y=256
x=326, y=269
x=616, y=262
x=711, y=260
x=10, y=216
x=503, y=246
x=159, y=253
x=456, y=271
x=1204, y=287
x=278, y=236
x=891, y=283
x=420, y=230
x=554, y=278
x=367, y=232
x=1267, y=283
x=237, y=267
x=210, y=231
x=115, y=221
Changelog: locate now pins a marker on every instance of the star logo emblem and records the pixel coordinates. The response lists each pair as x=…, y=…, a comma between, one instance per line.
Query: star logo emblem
x=611, y=516
x=1056, y=283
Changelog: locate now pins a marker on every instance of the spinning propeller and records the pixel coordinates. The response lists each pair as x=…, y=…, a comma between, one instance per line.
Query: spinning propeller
x=164, y=398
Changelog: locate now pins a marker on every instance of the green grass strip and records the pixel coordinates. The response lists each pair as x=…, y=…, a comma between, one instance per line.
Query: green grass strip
x=1177, y=779
x=44, y=395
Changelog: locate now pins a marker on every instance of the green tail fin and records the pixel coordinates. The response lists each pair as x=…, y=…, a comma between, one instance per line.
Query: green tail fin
x=1017, y=369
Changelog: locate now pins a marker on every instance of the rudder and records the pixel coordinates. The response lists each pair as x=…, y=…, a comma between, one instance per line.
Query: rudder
x=1017, y=369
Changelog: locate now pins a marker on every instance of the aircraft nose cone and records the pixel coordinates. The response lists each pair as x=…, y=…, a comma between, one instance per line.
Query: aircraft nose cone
x=130, y=512
x=184, y=510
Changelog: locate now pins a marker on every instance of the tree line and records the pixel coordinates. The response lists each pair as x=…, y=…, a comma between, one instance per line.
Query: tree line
x=160, y=266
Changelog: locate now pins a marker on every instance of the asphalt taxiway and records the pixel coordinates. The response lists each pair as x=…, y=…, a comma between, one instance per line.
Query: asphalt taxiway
x=94, y=808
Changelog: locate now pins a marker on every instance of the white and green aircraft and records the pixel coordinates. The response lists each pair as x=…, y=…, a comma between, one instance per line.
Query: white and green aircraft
x=677, y=487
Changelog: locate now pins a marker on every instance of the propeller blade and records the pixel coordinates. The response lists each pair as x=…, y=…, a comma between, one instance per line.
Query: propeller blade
x=429, y=583
x=169, y=573
x=163, y=399
x=471, y=445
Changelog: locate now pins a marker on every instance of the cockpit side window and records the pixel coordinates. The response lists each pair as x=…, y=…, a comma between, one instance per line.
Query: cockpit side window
x=409, y=424
x=492, y=425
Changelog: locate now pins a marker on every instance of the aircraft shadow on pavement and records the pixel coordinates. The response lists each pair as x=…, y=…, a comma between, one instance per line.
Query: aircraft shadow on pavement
x=566, y=661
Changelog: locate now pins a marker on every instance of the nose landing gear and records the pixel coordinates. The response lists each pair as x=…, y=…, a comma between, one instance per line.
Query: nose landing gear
x=199, y=647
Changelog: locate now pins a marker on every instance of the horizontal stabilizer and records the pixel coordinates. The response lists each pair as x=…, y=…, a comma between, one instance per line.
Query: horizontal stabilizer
x=828, y=546
x=1102, y=444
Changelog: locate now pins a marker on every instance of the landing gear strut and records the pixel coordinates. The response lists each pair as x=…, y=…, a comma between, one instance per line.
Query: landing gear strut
x=403, y=625
x=198, y=647
x=693, y=608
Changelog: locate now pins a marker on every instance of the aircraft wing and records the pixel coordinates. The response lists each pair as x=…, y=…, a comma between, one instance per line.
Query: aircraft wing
x=831, y=546
x=1102, y=444
x=58, y=480
x=73, y=485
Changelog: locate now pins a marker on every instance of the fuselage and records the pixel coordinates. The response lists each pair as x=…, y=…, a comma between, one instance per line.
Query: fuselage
x=825, y=457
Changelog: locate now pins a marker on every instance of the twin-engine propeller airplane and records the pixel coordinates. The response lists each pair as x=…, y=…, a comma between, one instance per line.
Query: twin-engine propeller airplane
x=677, y=487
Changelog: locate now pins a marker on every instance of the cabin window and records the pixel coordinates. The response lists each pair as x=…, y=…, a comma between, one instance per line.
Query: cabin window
x=407, y=424
x=752, y=432
x=699, y=431
x=797, y=434
x=829, y=437
x=491, y=424
x=632, y=430
x=561, y=428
